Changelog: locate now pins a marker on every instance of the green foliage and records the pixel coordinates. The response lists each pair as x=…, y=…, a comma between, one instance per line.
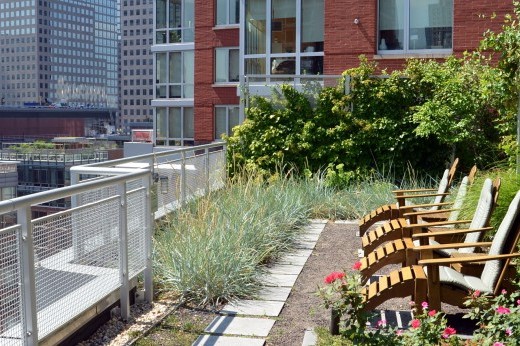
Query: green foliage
x=509, y=185
x=434, y=110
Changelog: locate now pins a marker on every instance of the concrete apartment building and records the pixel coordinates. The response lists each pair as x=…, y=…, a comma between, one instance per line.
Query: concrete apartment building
x=136, y=63
x=59, y=51
x=204, y=51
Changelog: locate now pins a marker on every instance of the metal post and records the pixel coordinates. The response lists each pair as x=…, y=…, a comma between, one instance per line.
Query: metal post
x=148, y=271
x=206, y=170
x=183, y=178
x=30, y=325
x=123, y=252
x=334, y=322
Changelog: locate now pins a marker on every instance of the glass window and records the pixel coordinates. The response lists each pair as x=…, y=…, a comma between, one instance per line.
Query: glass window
x=255, y=27
x=312, y=26
x=226, y=118
x=283, y=26
x=226, y=65
x=228, y=12
x=415, y=25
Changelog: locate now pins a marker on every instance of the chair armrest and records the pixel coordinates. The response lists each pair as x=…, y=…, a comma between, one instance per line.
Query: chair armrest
x=428, y=212
x=449, y=246
x=454, y=231
x=426, y=205
x=413, y=190
x=438, y=223
x=422, y=195
x=477, y=258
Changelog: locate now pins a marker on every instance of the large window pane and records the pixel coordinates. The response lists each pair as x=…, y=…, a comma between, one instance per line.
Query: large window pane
x=227, y=12
x=283, y=26
x=233, y=65
x=312, y=25
x=175, y=122
x=311, y=65
x=176, y=67
x=161, y=123
x=174, y=20
x=222, y=12
x=255, y=27
x=234, y=11
x=161, y=14
x=161, y=73
x=220, y=121
x=431, y=24
x=233, y=119
x=255, y=66
x=189, y=21
x=189, y=73
x=391, y=25
x=221, y=62
x=188, y=123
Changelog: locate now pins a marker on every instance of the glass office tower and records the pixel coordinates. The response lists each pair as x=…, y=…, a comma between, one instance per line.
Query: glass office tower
x=60, y=51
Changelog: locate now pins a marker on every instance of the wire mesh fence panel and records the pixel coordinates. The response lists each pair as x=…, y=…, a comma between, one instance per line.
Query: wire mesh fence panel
x=136, y=231
x=217, y=170
x=76, y=262
x=195, y=176
x=96, y=195
x=11, y=318
x=168, y=184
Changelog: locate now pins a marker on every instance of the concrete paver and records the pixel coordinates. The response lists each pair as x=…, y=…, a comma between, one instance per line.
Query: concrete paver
x=243, y=326
x=215, y=340
x=254, y=308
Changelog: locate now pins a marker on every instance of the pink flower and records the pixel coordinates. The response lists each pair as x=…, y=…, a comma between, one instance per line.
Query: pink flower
x=416, y=323
x=432, y=313
x=334, y=276
x=412, y=303
x=399, y=332
x=502, y=310
x=449, y=331
x=518, y=302
x=498, y=344
x=504, y=291
x=424, y=305
x=381, y=323
x=357, y=265
x=509, y=331
x=476, y=294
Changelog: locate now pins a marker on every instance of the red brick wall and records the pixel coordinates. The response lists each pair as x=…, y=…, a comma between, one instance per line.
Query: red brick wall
x=345, y=41
x=207, y=96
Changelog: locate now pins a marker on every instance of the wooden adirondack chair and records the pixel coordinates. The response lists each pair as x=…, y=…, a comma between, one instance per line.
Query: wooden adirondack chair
x=406, y=250
x=401, y=228
x=393, y=211
x=435, y=281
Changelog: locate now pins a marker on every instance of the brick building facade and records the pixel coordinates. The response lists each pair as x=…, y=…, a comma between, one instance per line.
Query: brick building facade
x=237, y=38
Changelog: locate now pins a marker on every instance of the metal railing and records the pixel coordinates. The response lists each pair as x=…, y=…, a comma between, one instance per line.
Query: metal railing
x=54, y=269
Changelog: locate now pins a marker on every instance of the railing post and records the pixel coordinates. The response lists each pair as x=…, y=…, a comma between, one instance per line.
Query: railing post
x=183, y=177
x=123, y=252
x=148, y=271
x=206, y=170
x=30, y=325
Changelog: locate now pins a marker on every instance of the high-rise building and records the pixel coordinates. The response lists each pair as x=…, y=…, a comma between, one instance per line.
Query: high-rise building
x=207, y=53
x=136, y=63
x=59, y=51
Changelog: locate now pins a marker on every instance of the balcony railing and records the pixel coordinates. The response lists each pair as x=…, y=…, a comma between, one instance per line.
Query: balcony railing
x=59, y=271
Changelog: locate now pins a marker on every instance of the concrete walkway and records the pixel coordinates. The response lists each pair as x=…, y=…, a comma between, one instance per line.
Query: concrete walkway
x=248, y=322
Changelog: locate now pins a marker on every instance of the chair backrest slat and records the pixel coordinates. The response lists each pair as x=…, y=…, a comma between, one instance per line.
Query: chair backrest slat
x=504, y=241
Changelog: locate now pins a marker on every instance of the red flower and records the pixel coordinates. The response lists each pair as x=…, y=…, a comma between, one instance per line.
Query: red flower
x=334, y=276
x=357, y=265
x=448, y=332
x=416, y=323
x=502, y=310
x=432, y=313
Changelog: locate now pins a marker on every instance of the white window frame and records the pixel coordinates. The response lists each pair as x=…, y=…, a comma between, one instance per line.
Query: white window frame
x=184, y=77
x=227, y=11
x=168, y=139
x=406, y=38
x=228, y=50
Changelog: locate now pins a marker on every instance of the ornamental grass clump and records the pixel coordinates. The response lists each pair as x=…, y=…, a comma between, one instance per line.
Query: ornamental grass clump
x=214, y=249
